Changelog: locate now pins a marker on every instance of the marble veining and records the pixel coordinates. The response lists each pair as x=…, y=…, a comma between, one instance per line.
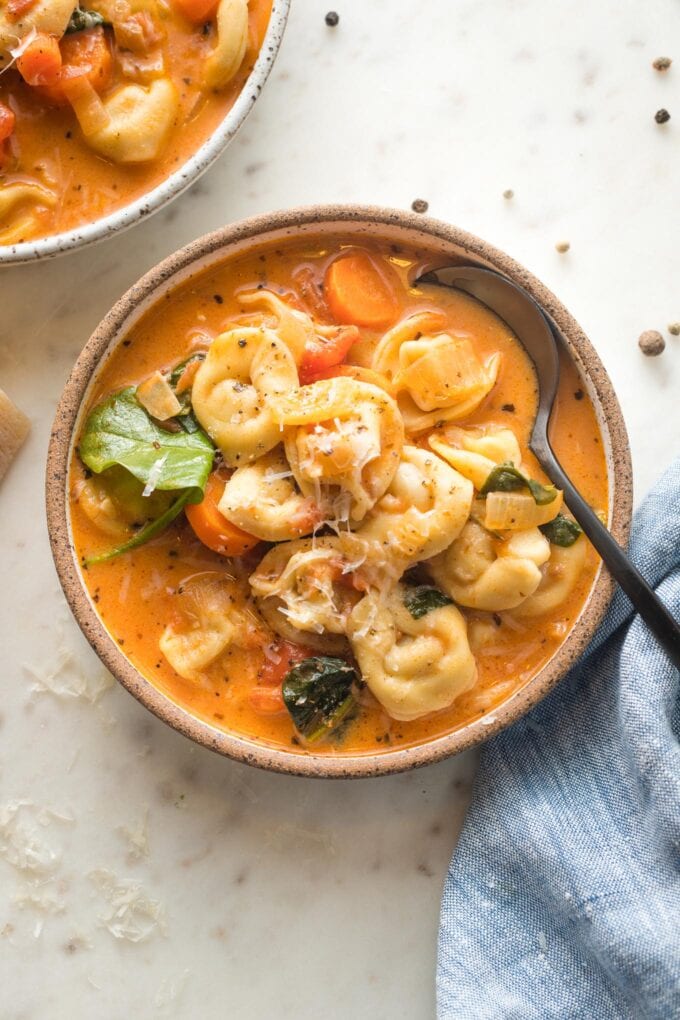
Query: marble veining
x=140, y=875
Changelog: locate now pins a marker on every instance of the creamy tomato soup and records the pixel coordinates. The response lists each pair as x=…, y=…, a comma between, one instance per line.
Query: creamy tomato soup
x=101, y=102
x=305, y=508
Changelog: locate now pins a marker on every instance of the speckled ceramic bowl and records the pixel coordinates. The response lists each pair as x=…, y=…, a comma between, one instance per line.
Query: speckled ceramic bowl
x=171, y=187
x=357, y=223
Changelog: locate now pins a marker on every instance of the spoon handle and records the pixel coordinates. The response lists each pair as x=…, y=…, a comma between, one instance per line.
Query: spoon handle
x=648, y=604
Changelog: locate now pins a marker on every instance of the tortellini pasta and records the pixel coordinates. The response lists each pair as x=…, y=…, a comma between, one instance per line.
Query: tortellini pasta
x=232, y=393
x=232, y=38
x=343, y=439
x=211, y=616
x=560, y=576
x=475, y=451
x=48, y=16
x=482, y=572
x=437, y=375
x=412, y=666
x=293, y=327
x=313, y=581
x=263, y=499
x=423, y=510
x=137, y=123
x=19, y=204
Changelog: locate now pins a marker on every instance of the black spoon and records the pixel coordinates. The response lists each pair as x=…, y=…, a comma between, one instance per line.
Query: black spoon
x=530, y=324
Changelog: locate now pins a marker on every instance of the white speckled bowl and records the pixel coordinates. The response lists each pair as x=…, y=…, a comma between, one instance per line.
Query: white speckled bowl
x=121, y=219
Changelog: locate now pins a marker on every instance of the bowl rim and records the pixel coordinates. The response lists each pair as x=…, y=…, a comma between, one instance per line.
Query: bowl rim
x=194, y=167
x=287, y=224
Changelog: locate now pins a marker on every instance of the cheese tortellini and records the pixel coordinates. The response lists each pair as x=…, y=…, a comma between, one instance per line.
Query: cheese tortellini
x=263, y=499
x=244, y=370
x=312, y=581
x=476, y=451
x=412, y=666
x=137, y=122
x=437, y=375
x=48, y=16
x=343, y=439
x=424, y=509
x=211, y=616
x=560, y=576
x=232, y=38
x=483, y=572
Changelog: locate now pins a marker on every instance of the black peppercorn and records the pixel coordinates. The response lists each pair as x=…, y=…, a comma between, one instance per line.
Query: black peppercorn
x=332, y=18
x=662, y=116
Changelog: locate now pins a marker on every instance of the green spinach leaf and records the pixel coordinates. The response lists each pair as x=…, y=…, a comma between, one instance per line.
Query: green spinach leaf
x=81, y=20
x=423, y=599
x=507, y=478
x=318, y=695
x=562, y=531
x=119, y=431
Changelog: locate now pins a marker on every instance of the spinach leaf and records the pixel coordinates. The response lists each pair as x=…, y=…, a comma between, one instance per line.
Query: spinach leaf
x=81, y=20
x=149, y=531
x=507, y=478
x=318, y=695
x=119, y=431
x=562, y=530
x=423, y=599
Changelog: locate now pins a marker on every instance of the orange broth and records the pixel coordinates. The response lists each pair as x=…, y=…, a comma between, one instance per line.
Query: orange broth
x=47, y=146
x=133, y=593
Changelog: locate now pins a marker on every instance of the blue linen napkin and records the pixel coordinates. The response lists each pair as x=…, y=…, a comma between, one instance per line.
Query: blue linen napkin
x=563, y=896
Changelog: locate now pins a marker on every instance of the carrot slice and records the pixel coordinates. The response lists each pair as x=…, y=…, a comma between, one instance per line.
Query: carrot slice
x=359, y=291
x=212, y=528
x=40, y=62
x=197, y=10
x=85, y=56
x=325, y=352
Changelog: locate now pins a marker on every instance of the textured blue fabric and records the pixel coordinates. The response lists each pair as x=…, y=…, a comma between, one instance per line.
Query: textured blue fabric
x=563, y=896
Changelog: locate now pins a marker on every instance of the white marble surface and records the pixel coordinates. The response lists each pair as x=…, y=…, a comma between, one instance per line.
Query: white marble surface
x=283, y=897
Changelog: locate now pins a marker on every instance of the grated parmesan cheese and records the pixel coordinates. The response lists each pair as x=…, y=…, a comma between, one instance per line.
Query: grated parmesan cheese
x=66, y=679
x=129, y=914
x=21, y=843
x=154, y=475
x=137, y=837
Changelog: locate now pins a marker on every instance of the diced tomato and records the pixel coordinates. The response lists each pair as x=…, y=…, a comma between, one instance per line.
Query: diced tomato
x=266, y=697
x=324, y=353
x=17, y=8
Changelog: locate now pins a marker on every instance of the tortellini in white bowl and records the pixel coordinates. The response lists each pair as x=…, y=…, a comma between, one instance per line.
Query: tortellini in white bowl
x=412, y=666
